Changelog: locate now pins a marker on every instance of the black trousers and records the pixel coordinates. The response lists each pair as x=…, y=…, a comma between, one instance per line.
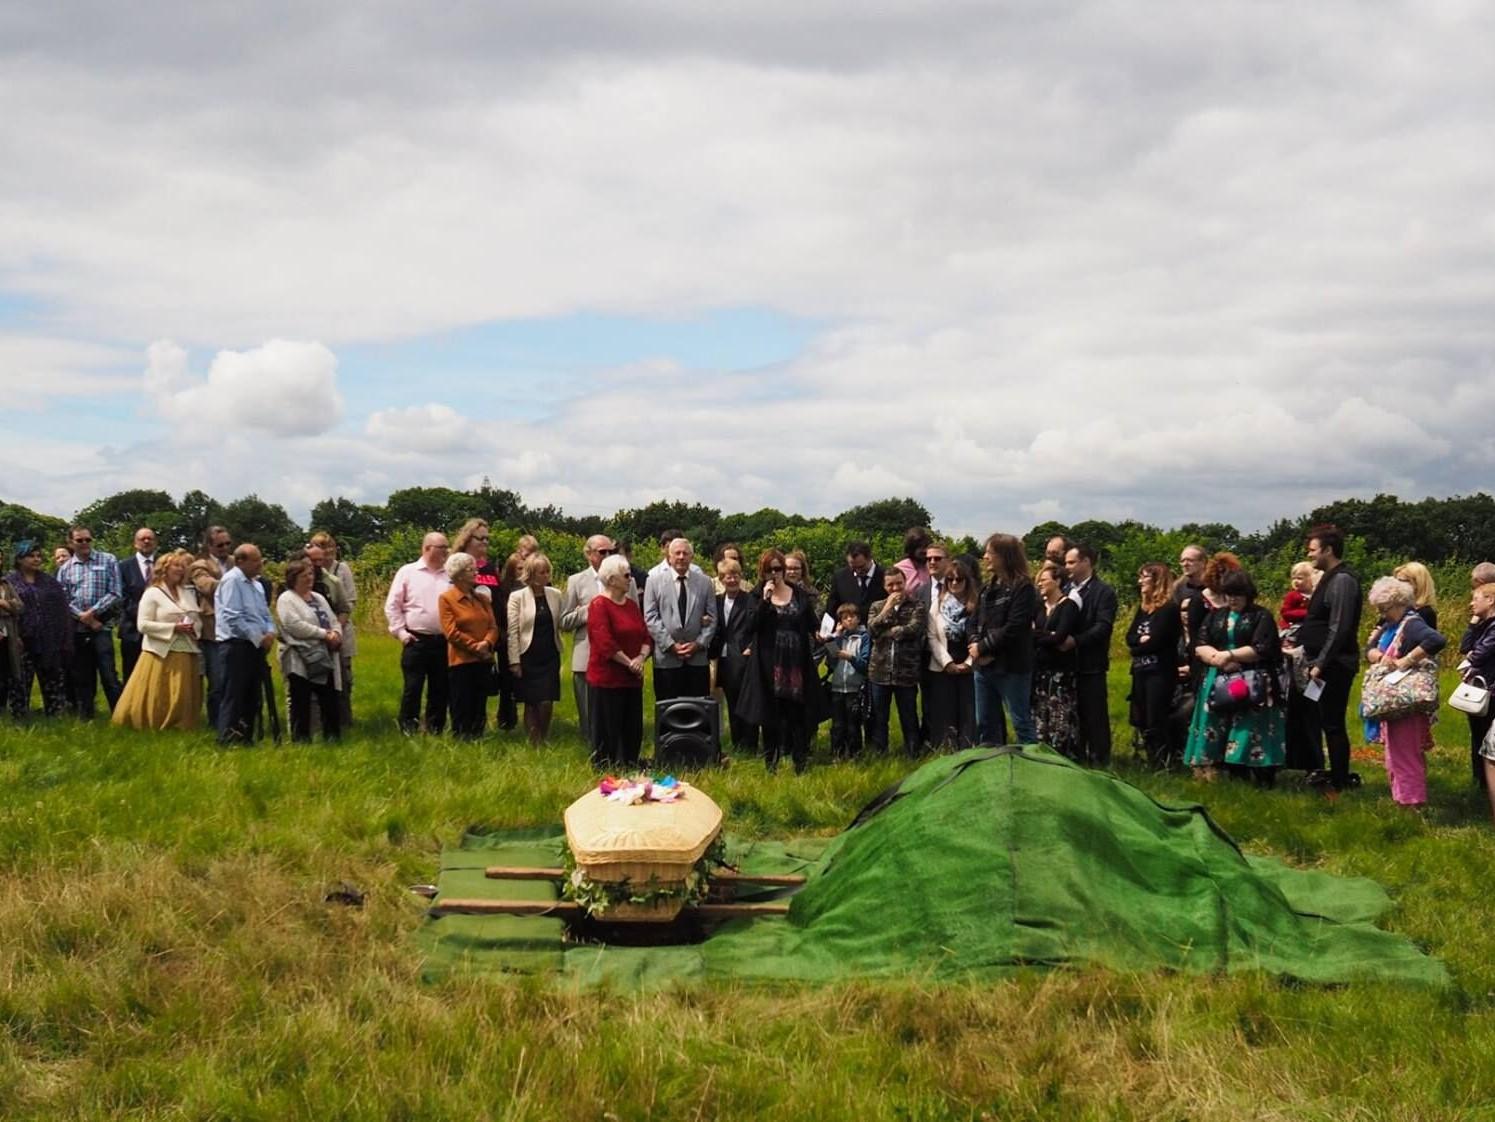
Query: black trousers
x=617, y=724
x=467, y=696
x=1305, y=751
x=744, y=733
x=681, y=681
x=949, y=710
x=423, y=665
x=1094, y=716
x=785, y=733
x=883, y=698
x=846, y=725
x=1151, y=708
x=129, y=655
x=300, y=691
x=1478, y=726
x=93, y=665
x=241, y=692
x=1333, y=704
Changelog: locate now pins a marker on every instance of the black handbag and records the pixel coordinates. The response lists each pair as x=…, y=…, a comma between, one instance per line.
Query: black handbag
x=1239, y=689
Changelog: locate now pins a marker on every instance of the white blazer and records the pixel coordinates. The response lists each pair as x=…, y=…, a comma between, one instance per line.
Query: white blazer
x=521, y=618
x=159, y=614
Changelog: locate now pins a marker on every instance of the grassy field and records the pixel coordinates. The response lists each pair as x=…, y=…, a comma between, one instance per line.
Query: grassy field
x=165, y=952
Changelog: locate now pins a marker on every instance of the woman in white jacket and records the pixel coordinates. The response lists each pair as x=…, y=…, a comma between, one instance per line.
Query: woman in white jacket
x=165, y=691
x=310, y=638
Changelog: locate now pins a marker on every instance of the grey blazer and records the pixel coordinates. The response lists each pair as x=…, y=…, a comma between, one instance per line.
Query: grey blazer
x=662, y=616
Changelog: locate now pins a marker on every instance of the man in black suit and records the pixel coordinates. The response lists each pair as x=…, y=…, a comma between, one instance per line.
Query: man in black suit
x=859, y=583
x=1097, y=601
x=135, y=573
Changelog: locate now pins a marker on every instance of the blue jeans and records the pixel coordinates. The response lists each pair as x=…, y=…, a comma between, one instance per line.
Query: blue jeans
x=215, y=666
x=996, y=689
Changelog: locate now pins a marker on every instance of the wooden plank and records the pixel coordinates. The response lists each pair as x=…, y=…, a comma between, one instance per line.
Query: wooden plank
x=736, y=911
x=722, y=876
x=561, y=909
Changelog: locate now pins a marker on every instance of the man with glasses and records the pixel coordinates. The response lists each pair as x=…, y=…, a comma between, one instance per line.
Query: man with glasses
x=91, y=580
x=937, y=557
x=581, y=588
x=214, y=560
x=413, y=611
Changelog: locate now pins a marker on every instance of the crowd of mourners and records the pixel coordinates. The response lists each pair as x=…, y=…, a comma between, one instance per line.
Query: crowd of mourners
x=967, y=650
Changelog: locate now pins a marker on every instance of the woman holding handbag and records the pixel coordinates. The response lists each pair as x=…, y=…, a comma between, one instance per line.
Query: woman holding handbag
x=1239, y=718
x=1478, y=666
x=1401, y=642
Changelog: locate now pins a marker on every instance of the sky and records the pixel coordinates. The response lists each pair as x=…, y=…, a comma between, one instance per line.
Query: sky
x=1020, y=260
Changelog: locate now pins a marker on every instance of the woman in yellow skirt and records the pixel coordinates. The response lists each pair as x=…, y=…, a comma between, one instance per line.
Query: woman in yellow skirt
x=165, y=689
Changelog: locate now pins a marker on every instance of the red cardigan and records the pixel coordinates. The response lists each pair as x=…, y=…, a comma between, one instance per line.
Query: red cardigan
x=611, y=628
x=1294, y=607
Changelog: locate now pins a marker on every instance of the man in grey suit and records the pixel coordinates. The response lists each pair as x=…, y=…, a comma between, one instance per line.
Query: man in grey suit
x=580, y=588
x=679, y=610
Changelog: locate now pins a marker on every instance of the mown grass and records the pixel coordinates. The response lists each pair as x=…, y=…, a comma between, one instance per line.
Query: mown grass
x=165, y=952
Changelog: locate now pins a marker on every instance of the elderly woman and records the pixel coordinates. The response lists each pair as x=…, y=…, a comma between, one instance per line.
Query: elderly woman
x=471, y=640
x=165, y=690
x=340, y=571
x=1403, y=640
x=1152, y=640
x=727, y=551
x=1242, y=723
x=535, y=646
x=618, y=651
x=46, y=630
x=1477, y=648
x=310, y=638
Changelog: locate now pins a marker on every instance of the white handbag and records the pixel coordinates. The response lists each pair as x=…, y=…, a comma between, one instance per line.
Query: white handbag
x=1469, y=697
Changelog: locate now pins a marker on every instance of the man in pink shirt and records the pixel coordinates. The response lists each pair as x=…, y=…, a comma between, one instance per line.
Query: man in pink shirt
x=415, y=620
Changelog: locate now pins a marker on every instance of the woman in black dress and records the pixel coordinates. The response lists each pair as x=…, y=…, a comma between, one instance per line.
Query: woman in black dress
x=1152, y=640
x=535, y=646
x=780, y=689
x=1056, y=717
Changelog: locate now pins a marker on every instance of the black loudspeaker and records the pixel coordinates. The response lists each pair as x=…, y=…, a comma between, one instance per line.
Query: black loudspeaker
x=687, y=732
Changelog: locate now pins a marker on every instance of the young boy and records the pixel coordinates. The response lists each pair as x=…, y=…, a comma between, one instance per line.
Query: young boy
x=847, y=653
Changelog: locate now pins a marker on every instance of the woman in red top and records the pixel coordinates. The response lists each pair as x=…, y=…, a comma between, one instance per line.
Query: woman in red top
x=615, y=668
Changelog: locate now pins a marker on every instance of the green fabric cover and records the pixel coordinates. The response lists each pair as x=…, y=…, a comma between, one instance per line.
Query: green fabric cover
x=978, y=863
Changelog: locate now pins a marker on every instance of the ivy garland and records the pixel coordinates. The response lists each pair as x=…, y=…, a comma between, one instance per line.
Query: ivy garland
x=598, y=896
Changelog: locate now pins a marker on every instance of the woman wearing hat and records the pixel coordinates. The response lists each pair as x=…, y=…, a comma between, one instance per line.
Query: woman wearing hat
x=46, y=631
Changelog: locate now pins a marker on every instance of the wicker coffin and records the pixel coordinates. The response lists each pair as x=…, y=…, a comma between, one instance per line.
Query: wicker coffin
x=649, y=845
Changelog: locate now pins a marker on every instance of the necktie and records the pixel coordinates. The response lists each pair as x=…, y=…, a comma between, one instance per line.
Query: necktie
x=682, y=600
x=150, y=565
x=862, y=580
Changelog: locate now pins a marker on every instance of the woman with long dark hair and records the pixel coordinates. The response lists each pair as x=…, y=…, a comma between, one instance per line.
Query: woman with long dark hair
x=1056, y=705
x=1152, y=640
x=1002, y=642
x=950, y=693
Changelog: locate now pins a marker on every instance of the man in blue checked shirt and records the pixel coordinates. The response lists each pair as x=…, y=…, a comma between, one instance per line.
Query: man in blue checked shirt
x=91, y=580
x=242, y=622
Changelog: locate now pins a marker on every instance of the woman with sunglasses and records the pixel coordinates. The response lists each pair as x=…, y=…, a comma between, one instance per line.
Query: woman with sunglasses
x=780, y=689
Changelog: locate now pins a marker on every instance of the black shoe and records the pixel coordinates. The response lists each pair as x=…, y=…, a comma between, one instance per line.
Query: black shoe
x=1319, y=778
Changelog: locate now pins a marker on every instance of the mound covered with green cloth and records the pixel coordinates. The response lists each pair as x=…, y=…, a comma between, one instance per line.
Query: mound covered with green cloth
x=992, y=859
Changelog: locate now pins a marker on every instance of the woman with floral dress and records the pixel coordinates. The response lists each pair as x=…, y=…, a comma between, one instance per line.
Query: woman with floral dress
x=1246, y=732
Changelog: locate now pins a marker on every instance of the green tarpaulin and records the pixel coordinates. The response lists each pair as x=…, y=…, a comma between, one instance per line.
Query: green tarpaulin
x=976, y=864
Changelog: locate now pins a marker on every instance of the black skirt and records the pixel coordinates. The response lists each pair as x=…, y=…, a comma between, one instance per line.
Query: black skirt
x=541, y=662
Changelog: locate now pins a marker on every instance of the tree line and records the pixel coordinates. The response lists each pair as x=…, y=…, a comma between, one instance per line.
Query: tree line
x=1447, y=534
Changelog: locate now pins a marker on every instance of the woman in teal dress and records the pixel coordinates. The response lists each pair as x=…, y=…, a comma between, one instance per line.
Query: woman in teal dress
x=1248, y=736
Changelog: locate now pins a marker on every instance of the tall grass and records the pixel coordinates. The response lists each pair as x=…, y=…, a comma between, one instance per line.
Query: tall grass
x=165, y=952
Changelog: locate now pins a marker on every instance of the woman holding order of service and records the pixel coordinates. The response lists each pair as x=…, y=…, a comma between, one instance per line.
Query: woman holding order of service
x=310, y=638
x=471, y=636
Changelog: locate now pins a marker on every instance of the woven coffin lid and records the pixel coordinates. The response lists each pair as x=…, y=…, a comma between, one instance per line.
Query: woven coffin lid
x=606, y=833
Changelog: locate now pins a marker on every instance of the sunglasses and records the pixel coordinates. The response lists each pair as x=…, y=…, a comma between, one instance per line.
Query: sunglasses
x=606, y=552
x=776, y=568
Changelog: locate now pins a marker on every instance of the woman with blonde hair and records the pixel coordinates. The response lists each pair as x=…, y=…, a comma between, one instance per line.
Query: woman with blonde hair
x=1403, y=640
x=165, y=691
x=1424, y=595
x=534, y=645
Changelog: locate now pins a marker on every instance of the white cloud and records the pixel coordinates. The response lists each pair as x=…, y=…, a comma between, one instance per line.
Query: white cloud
x=1061, y=265
x=282, y=388
x=36, y=370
